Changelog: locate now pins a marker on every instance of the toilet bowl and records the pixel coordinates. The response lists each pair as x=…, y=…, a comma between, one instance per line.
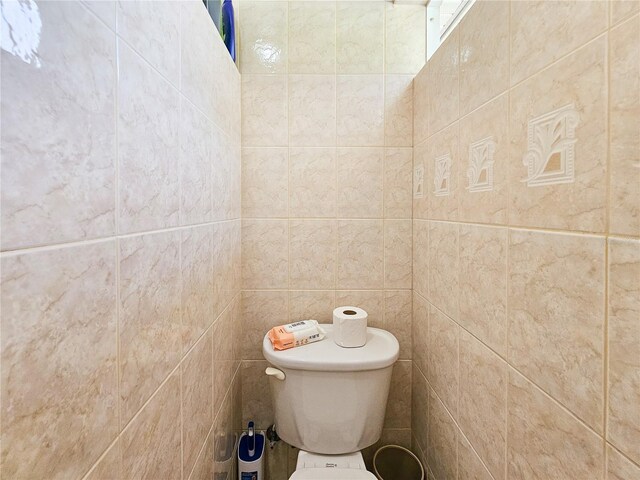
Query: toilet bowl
x=330, y=401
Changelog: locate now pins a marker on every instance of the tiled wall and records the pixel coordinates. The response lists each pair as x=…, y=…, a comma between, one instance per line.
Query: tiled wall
x=120, y=242
x=326, y=183
x=526, y=326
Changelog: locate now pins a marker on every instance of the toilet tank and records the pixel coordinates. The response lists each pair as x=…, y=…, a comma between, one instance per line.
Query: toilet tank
x=332, y=400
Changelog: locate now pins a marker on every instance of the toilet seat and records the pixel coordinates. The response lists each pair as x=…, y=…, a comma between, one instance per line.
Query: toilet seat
x=332, y=474
x=313, y=466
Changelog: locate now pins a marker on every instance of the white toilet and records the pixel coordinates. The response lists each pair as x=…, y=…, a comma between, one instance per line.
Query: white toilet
x=330, y=402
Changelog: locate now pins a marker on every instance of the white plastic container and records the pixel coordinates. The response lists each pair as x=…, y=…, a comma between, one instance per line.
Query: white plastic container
x=251, y=455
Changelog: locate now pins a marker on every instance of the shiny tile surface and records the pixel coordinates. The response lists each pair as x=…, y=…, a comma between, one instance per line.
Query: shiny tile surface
x=58, y=178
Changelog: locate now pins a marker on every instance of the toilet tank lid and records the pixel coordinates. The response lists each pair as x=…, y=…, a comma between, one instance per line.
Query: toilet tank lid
x=380, y=351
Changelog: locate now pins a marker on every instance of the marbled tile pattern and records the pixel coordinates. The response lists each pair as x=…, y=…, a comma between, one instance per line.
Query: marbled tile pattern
x=542, y=279
x=555, y=325
x=121, y=126
x=58, y=331
x=624, y=345
x=58, y=176
x=327, y=96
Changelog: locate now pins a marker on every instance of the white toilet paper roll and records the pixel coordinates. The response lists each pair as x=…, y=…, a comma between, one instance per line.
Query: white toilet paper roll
x=350, y=326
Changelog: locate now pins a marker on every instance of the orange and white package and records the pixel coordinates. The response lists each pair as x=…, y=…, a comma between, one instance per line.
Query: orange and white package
x=295, y=334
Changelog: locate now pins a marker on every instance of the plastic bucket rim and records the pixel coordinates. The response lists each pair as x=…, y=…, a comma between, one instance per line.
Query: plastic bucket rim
x=375, y=467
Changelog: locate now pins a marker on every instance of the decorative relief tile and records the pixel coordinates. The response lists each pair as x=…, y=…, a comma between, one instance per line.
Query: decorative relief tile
x=443, y=164
x=418, y=181
x=480, y=172
x=551, y=147
x=442, y=177
x=577, y=82
x=486, y=201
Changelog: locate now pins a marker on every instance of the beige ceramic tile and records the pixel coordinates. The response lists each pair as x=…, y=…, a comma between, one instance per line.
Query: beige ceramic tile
x=264, y=110
x=311, y=304
x=420, y=106
x=621, y=9
x=470, y=467
x=566, y=26
x=224, y=365
x=312, y=253
x=624, y=125
x=196, y=154
x=421, y=257
x=263, y=37
x=619, y=467
x=443, y=439
x=483, y=174
x=398, y=110
x=204, y=467
x=198, y=60
x=484, y=54
x=359, y=37
x=265, y=263
x=197, y=408
x=225, y=244
x=265, y=182
x=148, y=116
x=312, y=182
x=419, y=407
x=63, y=93
x=371, y=301
x=224, y=440
x=360, y=254
x=443, y=352
x=556, y=317
x=312, y=37
x=59, y=378
x=154, y=33
x=256, y=395
x=624, y=347
x=443, y=161
x=149, y=329
x=404, y=38
x=573, y=89
x=360, y=182
x=197, y=283
x=397, y=254
x=421, y=192
x=443, y=76
x=545, y=441
x=151, y=442
x=397, y=318
x=105, y=10
x=225, y=184
x=443, y=267
x=483, y=284
x=312, y=110
x=108, y=467
x=398, y=412
x=360, y=110
x=420, y=333
x=397, y=182
x=261, y=311
x=483, y=402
